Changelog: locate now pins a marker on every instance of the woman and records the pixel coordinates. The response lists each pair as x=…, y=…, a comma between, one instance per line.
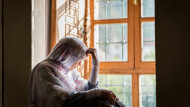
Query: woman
x=55, y=83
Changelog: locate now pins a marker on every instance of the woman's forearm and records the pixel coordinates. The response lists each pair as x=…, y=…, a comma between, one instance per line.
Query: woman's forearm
x=94, y=72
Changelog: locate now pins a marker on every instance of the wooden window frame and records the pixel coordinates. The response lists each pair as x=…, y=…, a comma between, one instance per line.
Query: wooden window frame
x=134, y=66
x=114, y=67
x=53, y=37
x=148, y=66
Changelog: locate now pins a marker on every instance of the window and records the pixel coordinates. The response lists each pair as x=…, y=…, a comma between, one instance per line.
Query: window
x=123, y=32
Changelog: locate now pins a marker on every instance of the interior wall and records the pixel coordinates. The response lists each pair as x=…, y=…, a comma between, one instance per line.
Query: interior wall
x=38, y=31
x=172, y=53
x=17, y=51
x=47, y=25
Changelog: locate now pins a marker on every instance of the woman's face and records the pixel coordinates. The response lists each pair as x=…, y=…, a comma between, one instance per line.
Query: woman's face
x=78, y=63
x=75, y=65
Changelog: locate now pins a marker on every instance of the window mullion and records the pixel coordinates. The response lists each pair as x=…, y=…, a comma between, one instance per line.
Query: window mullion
x=135, y=90
x=131, y=37
x=137, y=53
x=137, y=31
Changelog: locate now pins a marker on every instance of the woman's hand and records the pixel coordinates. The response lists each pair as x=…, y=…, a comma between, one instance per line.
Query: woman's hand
x=93, y=53
x=109, y=95
x=102, y=93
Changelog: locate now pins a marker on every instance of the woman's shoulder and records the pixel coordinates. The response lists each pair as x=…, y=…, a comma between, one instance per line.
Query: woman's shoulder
x=45, y=64
x=44, y=68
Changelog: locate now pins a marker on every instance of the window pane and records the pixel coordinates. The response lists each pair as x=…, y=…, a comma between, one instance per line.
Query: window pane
x=110, y=40
x=114, y=55
x=101, y=51
x=147, y=8
x=120, y=85
x=148, y=41
x=147, y=91
x=110, y=9
x=125, y=52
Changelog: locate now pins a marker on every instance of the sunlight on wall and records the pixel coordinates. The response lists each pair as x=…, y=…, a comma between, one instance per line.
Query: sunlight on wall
x=38, y=31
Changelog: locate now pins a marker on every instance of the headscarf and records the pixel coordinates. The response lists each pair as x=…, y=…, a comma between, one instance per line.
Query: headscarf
x=68, y=50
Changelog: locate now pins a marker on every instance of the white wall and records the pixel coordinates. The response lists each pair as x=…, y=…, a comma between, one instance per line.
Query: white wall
x=41, y=18
x=38, y=31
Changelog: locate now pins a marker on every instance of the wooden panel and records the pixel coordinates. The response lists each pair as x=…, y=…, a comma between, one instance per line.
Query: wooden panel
x=115, y=65
x=137, y=35
x=148, y=19
x=1, y=57
x=53, y=23
x=127, y=71
x=135, y=90
x=17, y=33
x=92, y=30
x=131, y=39
x=172, y=53
x=147, y=65
x=92, y=23
x=110, y=21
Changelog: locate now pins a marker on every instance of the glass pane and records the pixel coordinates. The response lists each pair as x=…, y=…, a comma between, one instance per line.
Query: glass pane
x=101, y=50
x=148, y=41
x=110, y=9
x=120, y=85
x=147, y=8
x=125, y=52
x=114, y=55
x=100, y=33
x=147, y=91
x=116, y=32
x=114, y=39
